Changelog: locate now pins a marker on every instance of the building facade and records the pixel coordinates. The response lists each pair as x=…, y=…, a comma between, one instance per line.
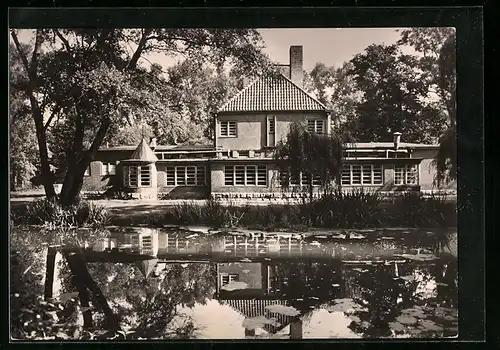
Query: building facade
x=240, y=162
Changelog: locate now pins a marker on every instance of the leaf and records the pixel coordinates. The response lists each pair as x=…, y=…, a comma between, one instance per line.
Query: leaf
x=76, y=334
x=406, y=319
x=258, y=322
x=397, y=326
x=283, y=310
x=62, y=335
x=67, y=296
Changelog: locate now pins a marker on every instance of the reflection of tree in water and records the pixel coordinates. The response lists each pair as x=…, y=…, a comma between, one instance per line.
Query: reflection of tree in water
x=380, y=291
x=387, y=295
x=306, y=284
x=148, y=306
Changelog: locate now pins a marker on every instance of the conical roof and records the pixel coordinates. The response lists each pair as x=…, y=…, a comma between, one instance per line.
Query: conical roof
x=143, y=153
x=146, y=266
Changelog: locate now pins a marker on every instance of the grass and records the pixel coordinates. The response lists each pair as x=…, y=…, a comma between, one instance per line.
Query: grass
x=50, y=213
x=337, y=210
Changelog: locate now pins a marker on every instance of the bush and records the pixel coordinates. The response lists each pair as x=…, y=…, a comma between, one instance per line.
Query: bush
x=50, y=212
x=417, y=210
x=357, y=209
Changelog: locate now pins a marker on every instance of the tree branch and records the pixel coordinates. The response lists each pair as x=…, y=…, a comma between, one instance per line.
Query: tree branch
x=52, y=115
x=23, y=57
x=64, y=41
x=140, y=48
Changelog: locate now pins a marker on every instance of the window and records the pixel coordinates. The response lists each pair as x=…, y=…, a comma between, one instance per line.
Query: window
x=300, y=180
x=192, y=175
x=357, y=174
x=145, y=175
x=271, y=131
x=108, y=169
x=316, y=126
x=137, y=176
x=406, y=174
x=132, y=176
x=226, y=278
x=245, y=175
x=228, y=128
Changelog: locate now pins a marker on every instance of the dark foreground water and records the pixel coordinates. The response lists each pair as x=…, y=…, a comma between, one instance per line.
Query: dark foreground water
x=180, y=283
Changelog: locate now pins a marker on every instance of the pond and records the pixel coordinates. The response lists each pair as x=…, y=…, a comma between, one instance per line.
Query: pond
x=195, y=283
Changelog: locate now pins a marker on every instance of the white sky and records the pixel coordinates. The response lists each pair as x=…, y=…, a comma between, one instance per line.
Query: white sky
x=331, y=46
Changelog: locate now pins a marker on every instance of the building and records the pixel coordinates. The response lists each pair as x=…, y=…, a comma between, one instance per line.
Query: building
x=240, y=164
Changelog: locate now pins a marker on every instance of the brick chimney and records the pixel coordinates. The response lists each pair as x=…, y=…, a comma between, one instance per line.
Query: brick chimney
x=296, y=65
x=397, y=139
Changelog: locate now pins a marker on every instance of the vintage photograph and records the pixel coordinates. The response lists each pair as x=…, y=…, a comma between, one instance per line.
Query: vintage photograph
x=233, y=184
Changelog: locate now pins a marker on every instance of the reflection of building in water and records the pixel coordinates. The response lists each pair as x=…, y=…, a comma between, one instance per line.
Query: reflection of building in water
x=144, y=241
x=243, y=279
x=252, y=287
x=105, y=244
x=252, y=308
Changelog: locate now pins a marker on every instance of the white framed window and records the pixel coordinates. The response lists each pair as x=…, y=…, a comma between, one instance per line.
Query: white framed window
x=137, y=176
x=406, y=174
x=362, y=174
x=192, y=175
x=300, y=180
x=228, y=128
x=108, y=168
x=226, y=278
x=245, y=175
x=271, y=131
x=316, y=126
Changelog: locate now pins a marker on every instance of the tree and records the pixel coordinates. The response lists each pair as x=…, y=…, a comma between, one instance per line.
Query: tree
x=309, y=155
x=131, y=135
x=200, y=91
x=335, y=88
x=395, y=97
x=320, y=80
x=90, y=81
x=23, y=144
x=438, y=61
x=154, y=302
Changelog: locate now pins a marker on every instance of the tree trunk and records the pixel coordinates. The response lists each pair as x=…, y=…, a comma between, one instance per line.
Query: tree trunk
x=72, y=186
x=49, y=273
x=84, y=280
x=31, y=70
x=73, y=180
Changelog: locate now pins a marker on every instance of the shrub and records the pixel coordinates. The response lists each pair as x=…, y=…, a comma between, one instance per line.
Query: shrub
x=415, y=209
x=49, y=212
x=357, y=209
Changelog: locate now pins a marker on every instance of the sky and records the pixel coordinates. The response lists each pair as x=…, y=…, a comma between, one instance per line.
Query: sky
x=331, y=46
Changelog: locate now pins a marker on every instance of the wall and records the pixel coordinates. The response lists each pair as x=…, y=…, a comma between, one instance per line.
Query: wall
x=182, y=192
x=428, y=171
x=251, y=129
x=252, y=277
x=217, y=177
x=98, y=182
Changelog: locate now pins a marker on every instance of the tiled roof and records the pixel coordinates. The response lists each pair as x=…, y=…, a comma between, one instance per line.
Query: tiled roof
x=272, y=93
x=254, y=307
